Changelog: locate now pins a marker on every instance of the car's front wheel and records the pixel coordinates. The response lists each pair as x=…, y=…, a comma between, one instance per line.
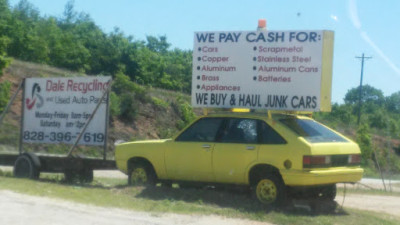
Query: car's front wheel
x=270, y=190
x=141, y=174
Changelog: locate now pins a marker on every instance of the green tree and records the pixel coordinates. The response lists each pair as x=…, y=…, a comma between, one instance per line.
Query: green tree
x=24, y=42
x=159, y=44
x=5, y=16
x=393, y=102
x=372, y=99
x=369, y=94
x=75, y=42
x=379, y=119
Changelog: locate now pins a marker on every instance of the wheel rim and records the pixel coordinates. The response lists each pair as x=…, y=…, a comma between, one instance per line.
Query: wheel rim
x=139, y=176
x=266, y=191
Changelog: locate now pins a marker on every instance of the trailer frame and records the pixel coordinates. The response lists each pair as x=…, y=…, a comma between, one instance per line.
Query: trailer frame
x=30, y=165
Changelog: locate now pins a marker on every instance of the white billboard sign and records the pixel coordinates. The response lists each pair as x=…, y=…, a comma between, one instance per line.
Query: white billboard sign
x=56, y=110
x=278, y=70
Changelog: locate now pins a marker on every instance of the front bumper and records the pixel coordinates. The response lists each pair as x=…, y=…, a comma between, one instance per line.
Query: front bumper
x=122, y=165
x=322, y=176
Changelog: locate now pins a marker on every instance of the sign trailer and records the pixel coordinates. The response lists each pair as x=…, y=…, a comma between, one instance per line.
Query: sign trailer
x=62, y=110
x=56, y=110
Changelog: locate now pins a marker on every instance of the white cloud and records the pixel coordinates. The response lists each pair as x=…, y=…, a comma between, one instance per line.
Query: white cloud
x=353, y=14
x=356, y=22
x=380, y=53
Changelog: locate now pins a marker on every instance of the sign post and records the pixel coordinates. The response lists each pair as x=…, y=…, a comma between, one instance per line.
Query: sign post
x=275, y=70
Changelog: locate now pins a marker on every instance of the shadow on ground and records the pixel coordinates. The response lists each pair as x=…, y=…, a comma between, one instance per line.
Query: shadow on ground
x=235, y=198
x=241, y=200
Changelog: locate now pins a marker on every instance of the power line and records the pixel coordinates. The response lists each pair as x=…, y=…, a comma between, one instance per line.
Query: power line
x=361, y=80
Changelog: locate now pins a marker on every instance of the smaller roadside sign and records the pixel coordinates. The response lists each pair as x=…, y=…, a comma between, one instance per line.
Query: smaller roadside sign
x=56, y=110
x=278, y=70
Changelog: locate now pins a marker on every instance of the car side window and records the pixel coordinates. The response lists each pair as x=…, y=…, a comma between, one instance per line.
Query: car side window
x=204, y=130
x=239, y=131
x=269, y=135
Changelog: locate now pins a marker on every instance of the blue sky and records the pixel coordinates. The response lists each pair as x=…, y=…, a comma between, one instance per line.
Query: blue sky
x=369, y=27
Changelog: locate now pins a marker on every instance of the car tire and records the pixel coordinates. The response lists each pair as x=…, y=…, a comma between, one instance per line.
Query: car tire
x=24, y=167
x=269, y=190
x=329, y=192
x=141, y=175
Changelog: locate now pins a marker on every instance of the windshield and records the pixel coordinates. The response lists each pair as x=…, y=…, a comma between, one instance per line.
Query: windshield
x=311, y=130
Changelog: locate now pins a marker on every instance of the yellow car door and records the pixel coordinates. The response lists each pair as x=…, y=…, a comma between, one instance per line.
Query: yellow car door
x=189, y=156
x=235, y=150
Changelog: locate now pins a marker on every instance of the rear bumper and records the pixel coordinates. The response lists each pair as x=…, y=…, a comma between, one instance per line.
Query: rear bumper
x=322, y=176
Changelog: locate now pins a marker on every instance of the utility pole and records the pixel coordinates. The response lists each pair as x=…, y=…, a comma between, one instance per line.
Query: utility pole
x=361, y=80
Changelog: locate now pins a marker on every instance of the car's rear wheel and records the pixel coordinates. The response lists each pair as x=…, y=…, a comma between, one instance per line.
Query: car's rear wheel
x=329, y=192
x=141, y=174
x=270, y=190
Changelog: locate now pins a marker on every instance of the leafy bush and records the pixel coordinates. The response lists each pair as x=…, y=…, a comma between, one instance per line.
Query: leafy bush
x=4, y=62
x=129, y=107
x=364, y=141
x=115, y=104
x=378, y=119
x=159, y=103
x=166, y=132
x=122, y=84
x=186, y=112
x=5, y=88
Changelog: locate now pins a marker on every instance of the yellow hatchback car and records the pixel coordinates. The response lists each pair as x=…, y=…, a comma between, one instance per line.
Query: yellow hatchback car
x=275, y=156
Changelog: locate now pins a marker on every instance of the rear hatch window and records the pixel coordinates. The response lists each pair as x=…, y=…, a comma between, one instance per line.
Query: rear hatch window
x=312, y=131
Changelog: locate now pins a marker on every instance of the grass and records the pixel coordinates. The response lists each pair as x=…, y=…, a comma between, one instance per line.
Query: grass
x=340, y=191
x=368, y=191
x=376, y=175
x=27, y=69
x=108, y=192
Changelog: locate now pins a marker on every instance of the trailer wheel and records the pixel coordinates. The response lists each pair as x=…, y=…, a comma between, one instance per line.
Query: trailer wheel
x=86, y=176
x=24, y=167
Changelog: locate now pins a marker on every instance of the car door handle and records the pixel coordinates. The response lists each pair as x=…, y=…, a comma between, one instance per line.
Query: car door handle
x=250, y=148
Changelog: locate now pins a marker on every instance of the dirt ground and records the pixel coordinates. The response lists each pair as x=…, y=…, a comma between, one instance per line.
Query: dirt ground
x=29, y=208
x=376, y=203
x=24, y=209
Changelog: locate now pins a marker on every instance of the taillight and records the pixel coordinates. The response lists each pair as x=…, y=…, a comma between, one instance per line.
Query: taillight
x=354, y=159
x=316, y=161
x=324, y=161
